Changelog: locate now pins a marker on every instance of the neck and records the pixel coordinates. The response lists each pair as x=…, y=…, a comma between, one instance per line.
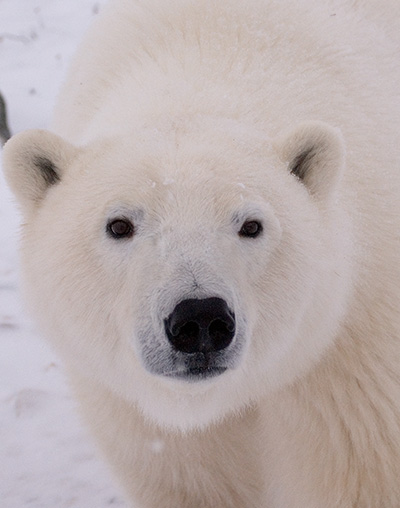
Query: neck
x=340, y=427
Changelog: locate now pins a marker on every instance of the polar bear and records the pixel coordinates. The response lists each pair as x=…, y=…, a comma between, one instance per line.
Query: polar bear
x=211, y=243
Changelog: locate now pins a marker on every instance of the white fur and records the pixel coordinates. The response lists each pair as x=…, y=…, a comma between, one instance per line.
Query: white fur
x=187, y=117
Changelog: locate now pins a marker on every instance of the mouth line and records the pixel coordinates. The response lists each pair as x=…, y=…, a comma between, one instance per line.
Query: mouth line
x=196, y=373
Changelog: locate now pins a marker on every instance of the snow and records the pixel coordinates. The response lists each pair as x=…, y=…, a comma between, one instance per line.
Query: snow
x=168, y=181
x=47, y=458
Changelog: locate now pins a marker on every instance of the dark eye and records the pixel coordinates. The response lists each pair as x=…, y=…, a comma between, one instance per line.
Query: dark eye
x=251, y=229
x=120, y=228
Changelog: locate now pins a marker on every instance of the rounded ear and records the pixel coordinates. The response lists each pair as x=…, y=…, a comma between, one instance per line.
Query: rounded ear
x=33, y=161
x=315, y=154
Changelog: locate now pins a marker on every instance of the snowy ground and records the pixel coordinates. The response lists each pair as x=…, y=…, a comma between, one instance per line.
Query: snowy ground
x=47, y=459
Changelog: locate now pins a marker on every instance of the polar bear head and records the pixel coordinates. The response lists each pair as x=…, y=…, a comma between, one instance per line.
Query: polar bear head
x=190, y=274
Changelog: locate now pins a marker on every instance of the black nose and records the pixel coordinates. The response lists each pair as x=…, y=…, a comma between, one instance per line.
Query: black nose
x=200, y=326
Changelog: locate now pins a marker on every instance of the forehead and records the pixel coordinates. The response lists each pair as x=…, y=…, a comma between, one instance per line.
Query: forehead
x=185, y=175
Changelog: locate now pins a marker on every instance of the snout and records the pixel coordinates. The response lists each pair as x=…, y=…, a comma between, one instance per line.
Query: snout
x=200, y=339
x=200, y=326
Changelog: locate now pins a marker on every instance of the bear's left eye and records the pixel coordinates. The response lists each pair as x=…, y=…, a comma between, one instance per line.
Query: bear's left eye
x=251, y=229
x=120, y=228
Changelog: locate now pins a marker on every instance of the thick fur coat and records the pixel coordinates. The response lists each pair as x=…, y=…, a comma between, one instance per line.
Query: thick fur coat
x=244, y=150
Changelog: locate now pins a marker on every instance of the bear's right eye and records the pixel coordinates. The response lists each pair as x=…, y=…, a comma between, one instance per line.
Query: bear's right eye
x=120, y=228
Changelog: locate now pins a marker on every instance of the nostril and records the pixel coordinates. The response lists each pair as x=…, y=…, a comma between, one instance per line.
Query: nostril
x=221, y=333
x=186, y=338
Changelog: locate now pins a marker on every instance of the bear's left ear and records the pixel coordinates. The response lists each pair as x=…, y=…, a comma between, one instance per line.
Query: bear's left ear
x=315, y=154
x=34, y=161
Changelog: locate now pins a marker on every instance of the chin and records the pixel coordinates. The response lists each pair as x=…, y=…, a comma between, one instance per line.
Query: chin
x=191, y=400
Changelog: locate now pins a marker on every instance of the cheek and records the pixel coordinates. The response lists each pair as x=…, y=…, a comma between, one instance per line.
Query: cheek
x=282, y=295
x=250, y=260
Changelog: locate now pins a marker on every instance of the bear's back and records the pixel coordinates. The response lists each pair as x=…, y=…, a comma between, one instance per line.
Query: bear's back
x=285, y=61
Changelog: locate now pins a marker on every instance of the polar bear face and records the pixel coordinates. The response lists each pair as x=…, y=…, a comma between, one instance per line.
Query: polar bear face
x=189, y=277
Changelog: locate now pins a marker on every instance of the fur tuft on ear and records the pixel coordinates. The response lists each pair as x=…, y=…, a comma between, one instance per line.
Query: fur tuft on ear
x=33, y=161
x=315, y=154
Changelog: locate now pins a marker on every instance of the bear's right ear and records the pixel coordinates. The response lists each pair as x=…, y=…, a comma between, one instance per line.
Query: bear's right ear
x=33, y=161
